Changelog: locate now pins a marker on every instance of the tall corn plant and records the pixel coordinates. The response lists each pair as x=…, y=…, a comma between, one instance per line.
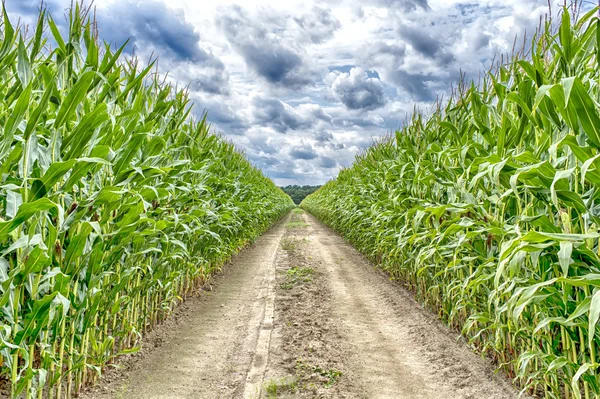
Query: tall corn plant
x=489, y=210
x=114, y=205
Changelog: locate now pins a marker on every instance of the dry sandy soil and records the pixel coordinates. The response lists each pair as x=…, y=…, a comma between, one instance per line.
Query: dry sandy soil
x=301, y=314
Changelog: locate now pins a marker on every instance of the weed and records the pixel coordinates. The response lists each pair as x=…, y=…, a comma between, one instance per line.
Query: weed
x=297, y=275
x=289, y=244
x=330, y=375
x=283, y=385
x=296, y=225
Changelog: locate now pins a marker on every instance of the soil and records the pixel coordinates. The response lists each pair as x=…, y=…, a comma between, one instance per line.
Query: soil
x=301, y=314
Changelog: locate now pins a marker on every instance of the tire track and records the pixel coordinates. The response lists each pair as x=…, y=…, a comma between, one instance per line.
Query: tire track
x=266, y=311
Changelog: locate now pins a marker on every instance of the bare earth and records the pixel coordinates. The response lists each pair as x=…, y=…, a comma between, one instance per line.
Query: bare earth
x=301, y=314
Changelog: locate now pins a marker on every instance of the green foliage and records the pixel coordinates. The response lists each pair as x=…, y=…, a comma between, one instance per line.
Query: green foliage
x=297, y=276
x=289, y=243
x=274, y=387
x=296, y=225
x=114, y=205
x=330, y=376
x=298, y=193
x=489, y=210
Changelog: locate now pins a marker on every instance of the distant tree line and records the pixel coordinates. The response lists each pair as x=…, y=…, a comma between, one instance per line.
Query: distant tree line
x=298, y=193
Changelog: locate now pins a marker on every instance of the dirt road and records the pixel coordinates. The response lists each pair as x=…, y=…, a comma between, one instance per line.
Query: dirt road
x=301, y=314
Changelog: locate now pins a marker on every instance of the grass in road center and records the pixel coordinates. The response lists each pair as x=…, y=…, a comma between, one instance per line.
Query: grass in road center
x=296, y=276
x=296, y=225
x=326, y=377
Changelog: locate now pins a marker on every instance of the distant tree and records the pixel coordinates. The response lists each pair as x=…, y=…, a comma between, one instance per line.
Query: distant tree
x=298, y=193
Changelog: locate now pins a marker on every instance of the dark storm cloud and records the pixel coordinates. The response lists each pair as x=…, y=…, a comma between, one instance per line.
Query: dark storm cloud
x=282, y=117
x=323, y=137
x=318, y=25
x=262, y=50
x=261, y=144
x=277, y=114
x=151, y=27
x=396, y=50
x=265, y=162
x=214, y=83
x=276, y=64
x=226, y=118
x=31, y=7
x=423, y=42
x=277, y=173
x=478, y=41
x=327, y=163
x=305, y=152
x=420, y=41
x=349, y=121
x=415, y=84
x=357, y=91
x=152, y=23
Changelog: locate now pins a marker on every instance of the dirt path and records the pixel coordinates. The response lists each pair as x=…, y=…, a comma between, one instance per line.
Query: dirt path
x=301, y=314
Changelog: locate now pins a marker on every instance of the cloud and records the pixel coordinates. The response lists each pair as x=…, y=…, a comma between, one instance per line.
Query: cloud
x=212, y=81
x=282, y=117
x=405, y=5
x=415, y=84
x=420, y=41
x=152, y=23
x=396, y=50
x=423, y=42
x=305, y=152
x=30, y=8
x=327, y=162
x=323, y=136
x=357, y=91
x=430, y=47
x=220, y=113
x=263, y=51
x=262, y=143
x=277, y=114
x=318, y=25
x=154, y=28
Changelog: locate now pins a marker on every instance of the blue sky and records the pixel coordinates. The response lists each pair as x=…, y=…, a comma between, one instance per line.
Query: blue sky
x=303, y=86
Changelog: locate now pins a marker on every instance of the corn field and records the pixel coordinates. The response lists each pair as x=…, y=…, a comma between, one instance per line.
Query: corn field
x=488, y=209
x=114, y=205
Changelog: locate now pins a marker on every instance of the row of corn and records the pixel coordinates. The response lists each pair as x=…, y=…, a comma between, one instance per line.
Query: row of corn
x=114, y=205
x=489, y=210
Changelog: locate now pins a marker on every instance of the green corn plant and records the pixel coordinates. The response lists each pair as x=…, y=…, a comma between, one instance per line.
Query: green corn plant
x=489, y=210
x=115, y=205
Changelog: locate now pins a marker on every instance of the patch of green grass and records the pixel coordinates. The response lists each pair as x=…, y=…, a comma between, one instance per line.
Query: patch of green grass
x=296, y=225
x=331, y=375
x=298, y=211
x=289, y=244
x=297, y=275
x=273, y=387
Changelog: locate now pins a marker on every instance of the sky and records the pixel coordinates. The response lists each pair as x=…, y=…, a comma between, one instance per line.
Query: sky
x=302, y=87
